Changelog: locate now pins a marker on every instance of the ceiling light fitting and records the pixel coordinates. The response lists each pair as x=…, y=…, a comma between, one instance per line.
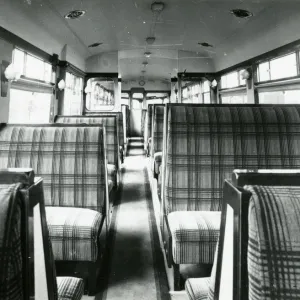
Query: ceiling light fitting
x=75, y=14
x=150, y=40
x=242, y=13
x=157, y=6
x=94, y=45
x=205, y=44
x=147, y=54
x=145, y=64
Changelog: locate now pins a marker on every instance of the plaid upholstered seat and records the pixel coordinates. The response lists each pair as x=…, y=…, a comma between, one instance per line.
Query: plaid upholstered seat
x=110, y=124
x=148, y=129
x=74, y=232
x=203, y=288
x=11, y=263
x=206, y=143
x=69, y=288
x=157, y=161
x=158, y=126
x=194, y=234
x=71, y=162
x=274, y=243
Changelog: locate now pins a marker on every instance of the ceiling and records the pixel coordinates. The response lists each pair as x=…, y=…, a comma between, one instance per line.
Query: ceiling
x=123, y=25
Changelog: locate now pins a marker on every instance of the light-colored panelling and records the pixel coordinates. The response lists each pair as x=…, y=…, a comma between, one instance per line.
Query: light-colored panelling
x=5, y=54
x=103, y=63
x=277, y=26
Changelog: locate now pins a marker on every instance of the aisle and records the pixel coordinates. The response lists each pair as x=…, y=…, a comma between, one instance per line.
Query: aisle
x=136, y=267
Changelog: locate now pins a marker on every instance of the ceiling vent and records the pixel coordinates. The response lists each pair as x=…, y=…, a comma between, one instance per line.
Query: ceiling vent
x=75, y=14
x=94, y=45
x=241, y=13
x=157, y=6
x=150, y=40
x=205, y=44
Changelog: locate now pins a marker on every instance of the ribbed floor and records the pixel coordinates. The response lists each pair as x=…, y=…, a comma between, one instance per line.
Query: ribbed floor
x=135, y=267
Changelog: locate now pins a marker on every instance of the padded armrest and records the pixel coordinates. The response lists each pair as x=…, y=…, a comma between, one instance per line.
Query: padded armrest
x=14, y=175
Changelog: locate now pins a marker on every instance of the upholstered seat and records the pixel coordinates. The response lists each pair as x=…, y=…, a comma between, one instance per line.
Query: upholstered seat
x=195, y=235
x=112, y=174
x=157, y=162
x=69, y=288
x=197, y=288
x=73, y=232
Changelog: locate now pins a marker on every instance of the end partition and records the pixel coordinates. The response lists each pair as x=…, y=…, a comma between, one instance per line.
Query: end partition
x=232, y=262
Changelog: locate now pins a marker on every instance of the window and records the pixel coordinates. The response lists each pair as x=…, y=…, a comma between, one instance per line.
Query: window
x=278, y=68
x=206, y=92
x=125, y=98
x=29, y=107
x=31, y=96
x=279, y=97
x=32, y=67
x=73, y=95
x=232, y=80
x=191, y=92
x=234, y=99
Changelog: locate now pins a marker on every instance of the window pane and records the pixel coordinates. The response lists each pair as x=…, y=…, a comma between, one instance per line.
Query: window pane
x=136, y=104
x=48, y=72
x=125, y=101
x=206, y=87
x=242, y=81
x=232, y=80
x=73, y=95
x=19, y=61
x=264, y=72
x=28, y=107
x=34, y=68
x=206, y=98
x=235, y=99
x=285, y=66
x=280, y=97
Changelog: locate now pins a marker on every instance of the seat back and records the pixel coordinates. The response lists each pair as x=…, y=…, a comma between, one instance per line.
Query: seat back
x=70, y=158
x=157, y=128
x=120, y=122
x=125, y=113
x=111, y=129
x=206, y=143
x=12, y=277
x=274, y=242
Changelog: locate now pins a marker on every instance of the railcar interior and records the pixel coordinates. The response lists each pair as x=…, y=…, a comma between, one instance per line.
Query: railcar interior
x=149, y=149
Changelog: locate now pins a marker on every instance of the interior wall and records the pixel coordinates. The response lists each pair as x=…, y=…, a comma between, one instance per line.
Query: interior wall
x=266, y=32
x=16, y=21
x=191, y=64
x=150, y=85
x=5, y=54
x=106, y=62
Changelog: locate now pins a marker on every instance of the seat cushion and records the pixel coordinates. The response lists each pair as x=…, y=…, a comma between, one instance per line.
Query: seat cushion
x=74, y=233
x=69, y=288
x=195, y=235
x=112, y=173
x=157, y=161
x=197, y=288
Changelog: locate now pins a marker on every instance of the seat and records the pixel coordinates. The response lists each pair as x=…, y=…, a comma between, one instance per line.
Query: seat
x=74, y=233
x=194, y=235
x=157, y=162
x=16, y=276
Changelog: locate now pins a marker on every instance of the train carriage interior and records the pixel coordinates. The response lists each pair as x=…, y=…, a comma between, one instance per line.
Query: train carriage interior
x=149, y=149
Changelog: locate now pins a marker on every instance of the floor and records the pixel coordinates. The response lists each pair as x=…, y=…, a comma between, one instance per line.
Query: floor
x=135, y=268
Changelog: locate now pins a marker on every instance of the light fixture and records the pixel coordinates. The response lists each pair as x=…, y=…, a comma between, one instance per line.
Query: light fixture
x=147, y=54
x=157, y=6
x=11, y=74
x=241, y=13
x=245, y=74
x=150, y=40
x=204, y=44
x=88, y=89
x=145, y=64
x=61, y=85
x=94, y=45
x=74, y=14
x=214, y=83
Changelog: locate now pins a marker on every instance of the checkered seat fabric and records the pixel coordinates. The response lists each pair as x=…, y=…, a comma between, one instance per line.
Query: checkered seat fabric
x=206, y=143
x=194, y=235
x=203, y=288
x=158, y=126
x=11, y=263
x=274, y=243
x=148, y=128
x=74, y=233
x=71, y=162
x=69, y=288
x=110, y=124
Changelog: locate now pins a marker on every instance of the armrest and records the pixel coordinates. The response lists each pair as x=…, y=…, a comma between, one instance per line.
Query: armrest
x=14, y=175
